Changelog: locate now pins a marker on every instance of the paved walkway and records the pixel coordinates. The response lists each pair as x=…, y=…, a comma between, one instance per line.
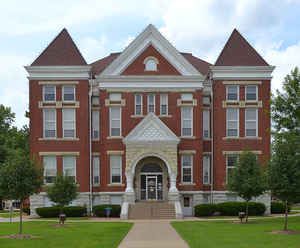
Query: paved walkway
x=153, y=234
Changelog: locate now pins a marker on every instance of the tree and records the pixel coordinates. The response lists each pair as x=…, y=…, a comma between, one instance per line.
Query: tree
x=20, y=177
x=63, y=191
x=285, y=170
x=248, y=179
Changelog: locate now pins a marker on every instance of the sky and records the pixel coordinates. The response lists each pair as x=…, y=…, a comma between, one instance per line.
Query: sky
x=100, y=27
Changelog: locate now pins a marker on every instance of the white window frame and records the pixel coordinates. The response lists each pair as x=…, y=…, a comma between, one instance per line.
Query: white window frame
x=238, y=93
x=44, y=163
x=191, y=119
x=44, y=124
x=44, y=100
x=148, y=103
x=95, y=126
x=256, y=122
x=187, y=96
x=167, y=105
x=206, y=100
x=120, y=165
x=208, y=163
x=208, y=123
x=63, y=123
x=238, y=122
x=256, y=93
x=110, y=121
x=75, y=171
x=63, y=93
x=230, y=167
x=117, y=97
x=95, y=100
x=96, y=158
x=191, y=166
x=135, y=103
x=153, y=63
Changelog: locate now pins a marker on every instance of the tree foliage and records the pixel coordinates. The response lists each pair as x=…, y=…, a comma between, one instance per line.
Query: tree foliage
x=248, y=179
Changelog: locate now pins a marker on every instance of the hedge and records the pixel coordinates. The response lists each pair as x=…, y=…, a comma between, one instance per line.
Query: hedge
x=26, y=210
x=205, y=210
x=233, y=208
x=100, y=211
x=278, y=208
x=50, y=212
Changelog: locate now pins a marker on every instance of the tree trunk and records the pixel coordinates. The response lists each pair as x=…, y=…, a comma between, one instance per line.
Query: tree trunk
x=21, y=211
x=286, y=215
x=247, y=211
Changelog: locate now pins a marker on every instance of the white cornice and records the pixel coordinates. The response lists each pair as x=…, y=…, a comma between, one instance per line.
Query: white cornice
x=242, y=72
x=58, y=72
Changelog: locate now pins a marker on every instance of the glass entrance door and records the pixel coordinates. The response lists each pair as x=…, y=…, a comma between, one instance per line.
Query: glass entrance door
x=151, y=187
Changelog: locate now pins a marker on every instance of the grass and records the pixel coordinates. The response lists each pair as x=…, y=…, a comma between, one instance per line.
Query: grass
x=7, y=215
x=227, y=235
x=295, y=208
x=68, y=218
x=4, y=211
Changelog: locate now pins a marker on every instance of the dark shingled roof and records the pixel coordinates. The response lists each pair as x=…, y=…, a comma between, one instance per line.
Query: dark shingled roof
x=61, y=51
x=238, y=52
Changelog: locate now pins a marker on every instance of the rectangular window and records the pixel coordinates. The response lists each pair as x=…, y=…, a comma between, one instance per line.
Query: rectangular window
x=206, y=100
x=95, y=125
x=138, y=107
x=49, y=93
x=251, y=92
x=164, y=104
x=115, y=97
x=232, y=117
x=69, y=123
x=49, y=123
x=231, y=161
x=151, y=103
x=206, y=170
x=68, y=93
x=206, y=123
x=115, y=121
x=232, y=93
x=49, y=169
x=187, y=97
x=69, y=166
x=96, y=171
x=95, y=100
x=251, y=122
x=187, y=168
x=116, y=169
x=187, y=121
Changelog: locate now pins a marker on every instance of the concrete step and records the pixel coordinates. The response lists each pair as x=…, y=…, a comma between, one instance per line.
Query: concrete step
x=151, y=210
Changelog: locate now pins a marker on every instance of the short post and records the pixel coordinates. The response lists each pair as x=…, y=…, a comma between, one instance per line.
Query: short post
x=242, y=215
x=11, y=212
x=62, y=219
x=108, y=209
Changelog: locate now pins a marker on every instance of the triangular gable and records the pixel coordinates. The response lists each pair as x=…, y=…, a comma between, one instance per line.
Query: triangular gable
x=150, y=36
x=137, y=67
x=238, y=52
x=151, y=130
x=62, y=51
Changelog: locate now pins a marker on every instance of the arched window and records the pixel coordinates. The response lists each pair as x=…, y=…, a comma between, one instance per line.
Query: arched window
x=151, y=168
x=150, y=64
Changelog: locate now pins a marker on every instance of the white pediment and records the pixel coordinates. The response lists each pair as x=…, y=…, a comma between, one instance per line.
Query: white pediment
x=150, y=36
x=151, y=130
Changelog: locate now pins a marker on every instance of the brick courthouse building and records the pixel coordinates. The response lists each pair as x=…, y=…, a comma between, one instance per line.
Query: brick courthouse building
x=149, y=124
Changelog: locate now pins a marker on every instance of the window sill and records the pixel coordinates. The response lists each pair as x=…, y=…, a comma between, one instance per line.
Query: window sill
x=187, y=137
x=137, y=116
x=115, y=137
x=58, y=139
x=242, y=138
x=187, y=184
x=207, y=139
x=165, y=116
x=206, y=184
x=116, y=185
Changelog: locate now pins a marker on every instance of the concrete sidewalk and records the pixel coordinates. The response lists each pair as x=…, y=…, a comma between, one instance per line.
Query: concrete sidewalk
x=153, y=234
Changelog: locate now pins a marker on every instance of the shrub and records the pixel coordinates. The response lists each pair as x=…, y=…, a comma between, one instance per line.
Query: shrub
x=278, y=208
x=50, y=212
x=205, y=210
x=26, y=210
x=100, y=211
x=233, y=208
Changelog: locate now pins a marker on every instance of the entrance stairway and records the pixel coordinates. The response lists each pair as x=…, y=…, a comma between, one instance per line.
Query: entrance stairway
x=151, y=210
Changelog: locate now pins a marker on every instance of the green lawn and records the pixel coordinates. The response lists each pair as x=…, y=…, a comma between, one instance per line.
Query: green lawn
x=68, y=218
x=7, y=215
x=223, y=234
x=79, y=235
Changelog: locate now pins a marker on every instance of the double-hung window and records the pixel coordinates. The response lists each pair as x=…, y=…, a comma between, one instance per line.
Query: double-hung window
x=151, y=103
x=115, y=97
x=206, y=170
x=116, y=169
x=69, y=166
x=164, y=104
x=187, y=97
x=232, y=122
x=251, y=122
x=138, y=105
x=95, y=125
x=231, y=161
x=49, y=93
x=187, y=121
x=187, y=168
x=95, y=100
x=232, y=93
x=69, y=125
x=68, y=93
x=206, y=123
x=96, y=171
x=49, y=169
x=251, y=93
x=49, y=123
x=115, y=121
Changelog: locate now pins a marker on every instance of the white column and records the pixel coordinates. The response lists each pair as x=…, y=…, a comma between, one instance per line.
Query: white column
x=173, y=188
x=129, y=182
